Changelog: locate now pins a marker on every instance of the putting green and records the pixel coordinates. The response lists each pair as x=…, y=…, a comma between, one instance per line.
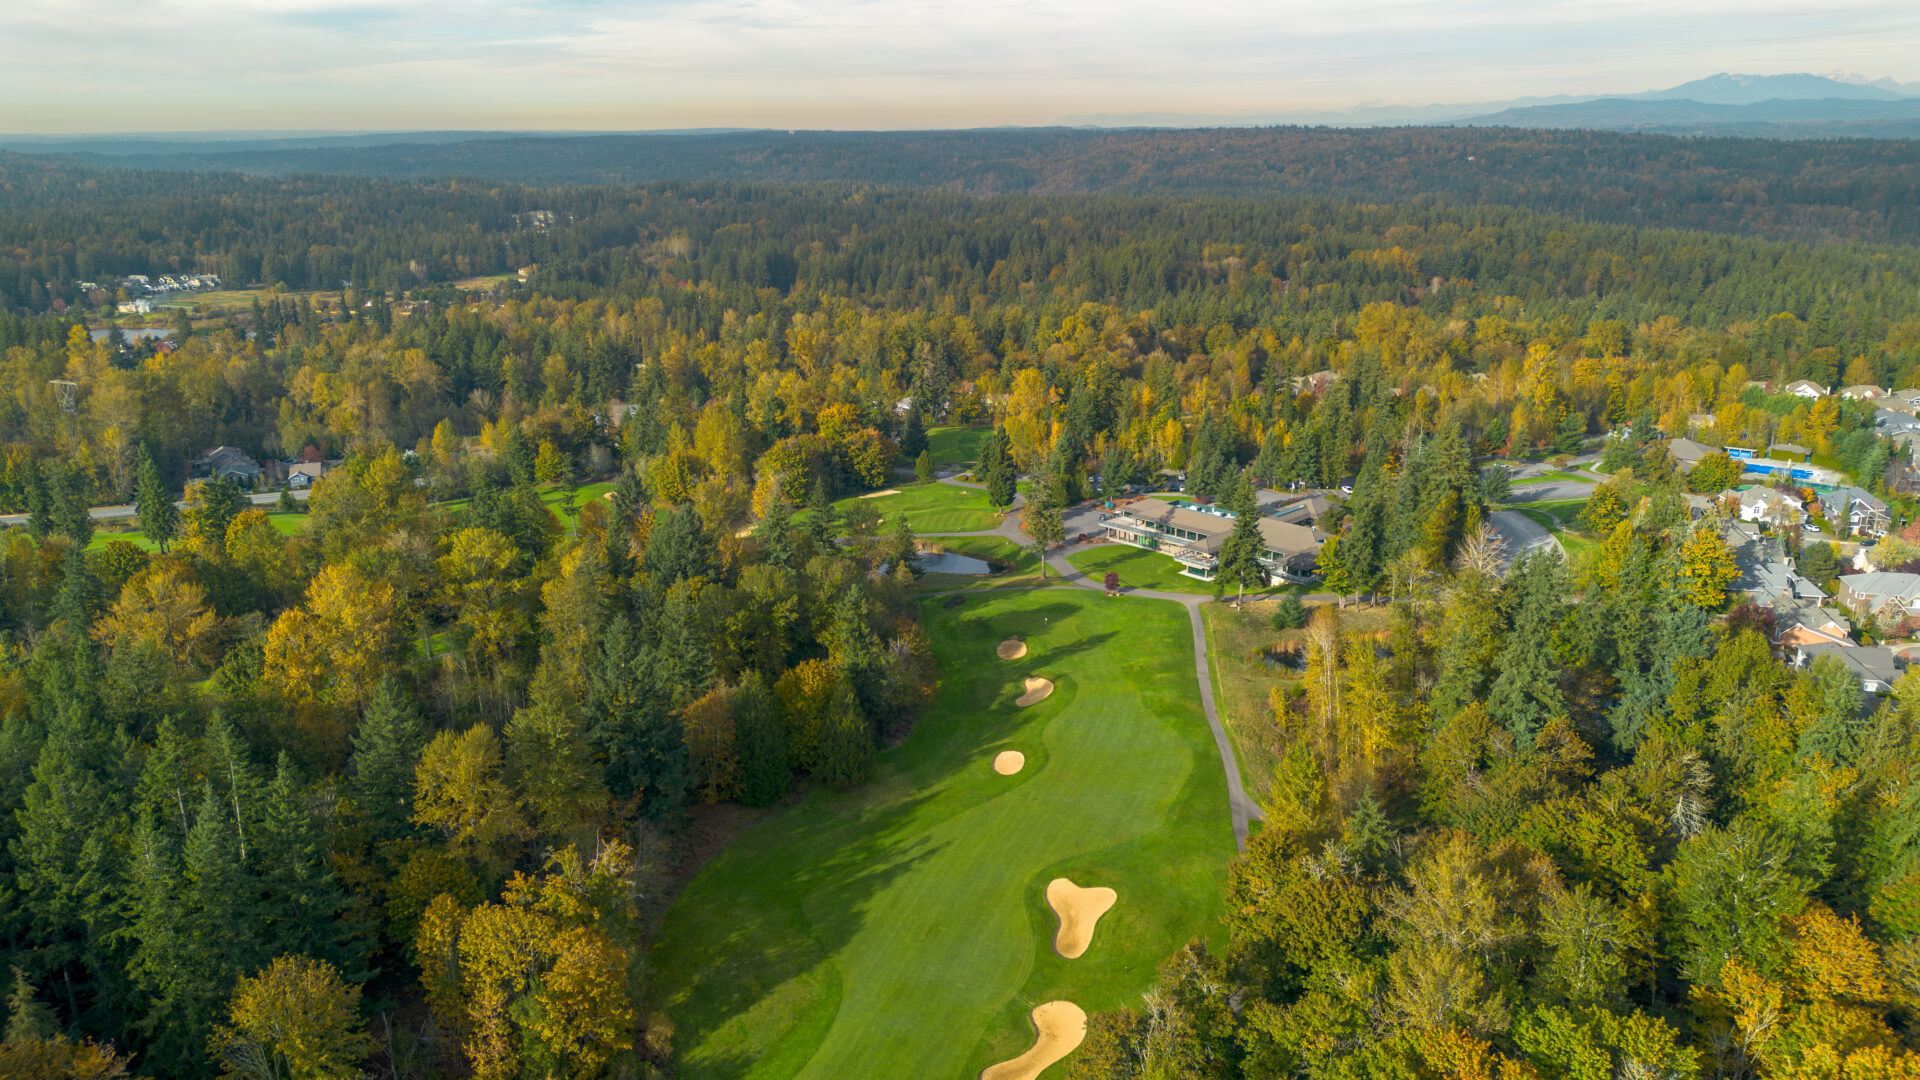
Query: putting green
x=903, y=929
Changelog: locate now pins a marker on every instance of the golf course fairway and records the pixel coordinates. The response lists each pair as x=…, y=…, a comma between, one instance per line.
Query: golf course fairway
x=902, y=929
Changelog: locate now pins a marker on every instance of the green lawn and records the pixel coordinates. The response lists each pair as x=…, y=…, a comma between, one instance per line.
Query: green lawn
x=934, y=507
x=901, y=930
x=956, y=445
x=1142, y=569
x=288, y=524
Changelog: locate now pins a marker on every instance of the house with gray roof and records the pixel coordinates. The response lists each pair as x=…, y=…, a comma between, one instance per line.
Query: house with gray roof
x=1686, y=453
x=1875, y=665
x=1886, y=593
x=1764, y=572
x=1859, y=511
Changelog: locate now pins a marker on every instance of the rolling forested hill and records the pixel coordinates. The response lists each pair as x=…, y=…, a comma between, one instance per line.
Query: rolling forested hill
x=1864, y=189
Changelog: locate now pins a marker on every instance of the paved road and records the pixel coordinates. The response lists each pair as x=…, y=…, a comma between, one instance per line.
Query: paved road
x=1522, y=533
x=1541, y=491
x=113, y=513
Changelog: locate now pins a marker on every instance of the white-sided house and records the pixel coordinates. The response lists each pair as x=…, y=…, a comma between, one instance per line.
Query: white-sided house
x=1862, y=392
x=1767, y=506
x=1805, y=389
x=1874, y=665
x=1191, y=535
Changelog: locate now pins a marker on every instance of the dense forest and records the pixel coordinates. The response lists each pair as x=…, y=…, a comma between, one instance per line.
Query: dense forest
x=1839, y=189
x=413, y=765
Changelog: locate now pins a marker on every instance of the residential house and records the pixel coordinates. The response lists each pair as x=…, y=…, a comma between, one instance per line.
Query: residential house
x=229, y=462
x=1861, y=513
x=1905, y=400
x=1192, y=535
x=1764, y=575
x=135, y=307
x=1875, y=666
x=1699, y=506
x=1862, y=392
x=302, y=474
x=1699, y=422
x=1893, y=421
x=1686, y=453
x=1805, y=389
x=1767, y=506
x=1805, y=622
x=1889, y=595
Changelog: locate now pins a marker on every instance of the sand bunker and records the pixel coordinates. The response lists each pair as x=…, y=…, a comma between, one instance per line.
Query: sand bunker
x=1012, y=649
x=1061, y=1025
x=1037, y=691
x=1079, y=910
x=877, y=494
x=1008, y=762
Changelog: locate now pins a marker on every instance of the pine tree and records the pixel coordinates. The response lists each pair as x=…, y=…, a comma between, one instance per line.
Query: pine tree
x=301, y=901
x=997, y=470
x=823, y=525
x=1527, y=692
x=159, y=517
x=846, y=743
x=761, y=739
x=775, y=532
x=631, y=723
x=386, y=751
x=901, y=548
x=1240, y=553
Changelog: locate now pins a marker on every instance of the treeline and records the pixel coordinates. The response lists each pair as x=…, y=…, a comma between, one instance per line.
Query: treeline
x=1561, y=824
x=62, y=224
x=1814, y=191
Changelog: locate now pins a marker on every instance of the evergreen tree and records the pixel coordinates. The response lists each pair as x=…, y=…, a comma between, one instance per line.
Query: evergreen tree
x=386, y=751
x=1526, y=694
x=901, y=548
x=923, y=466
x=159, y=517
x=823, y=525
x=677, y=549
x=631, y=724
x=846, y=742
x=775, y=533
x=913, y=434
x=301, y=901
x=997, y=470
x=760, y=738
x=1240, y=553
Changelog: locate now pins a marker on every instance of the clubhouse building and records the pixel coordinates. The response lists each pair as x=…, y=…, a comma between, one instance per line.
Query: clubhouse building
x=1192, y=534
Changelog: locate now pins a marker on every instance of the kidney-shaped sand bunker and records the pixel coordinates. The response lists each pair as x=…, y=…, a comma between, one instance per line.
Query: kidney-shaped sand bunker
x=1059, y=1028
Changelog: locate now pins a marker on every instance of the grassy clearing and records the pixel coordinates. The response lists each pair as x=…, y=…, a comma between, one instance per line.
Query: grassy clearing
x=902, y=930
x=1243, y=683
x=1142, y=569
x=287, y=524
x=956, y=445
x=934, y=507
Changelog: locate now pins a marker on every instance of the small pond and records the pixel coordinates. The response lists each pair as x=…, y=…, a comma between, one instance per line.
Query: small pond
x=948, y=562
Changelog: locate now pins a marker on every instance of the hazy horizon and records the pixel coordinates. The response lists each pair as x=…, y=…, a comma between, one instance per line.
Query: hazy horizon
x=320, y=67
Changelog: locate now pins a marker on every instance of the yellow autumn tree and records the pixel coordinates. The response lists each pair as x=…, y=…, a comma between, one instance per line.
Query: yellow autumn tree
x=336, y=647
x=545, y=980
x=460, y=789
x=161, y=604
x=296, y=1019
x=1706, y=568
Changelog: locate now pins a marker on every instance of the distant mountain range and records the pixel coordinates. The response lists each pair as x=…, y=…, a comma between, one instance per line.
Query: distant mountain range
x=1762, y=106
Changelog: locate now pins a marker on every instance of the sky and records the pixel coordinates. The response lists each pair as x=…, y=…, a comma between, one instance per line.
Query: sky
x=295, y=65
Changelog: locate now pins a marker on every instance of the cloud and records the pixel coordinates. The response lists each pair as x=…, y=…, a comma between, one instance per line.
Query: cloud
x=203, y=64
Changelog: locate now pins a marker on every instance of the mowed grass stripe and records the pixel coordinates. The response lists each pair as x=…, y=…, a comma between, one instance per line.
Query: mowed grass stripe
x=900, y=930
